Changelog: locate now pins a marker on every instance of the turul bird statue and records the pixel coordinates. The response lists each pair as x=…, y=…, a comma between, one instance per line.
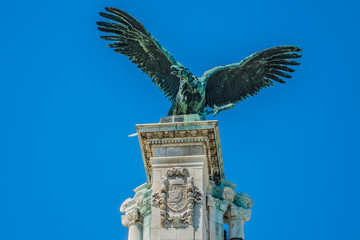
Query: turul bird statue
x=218, y=89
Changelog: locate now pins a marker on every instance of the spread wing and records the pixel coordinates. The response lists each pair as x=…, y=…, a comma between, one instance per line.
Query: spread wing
x=235, y=82
x=134, y=41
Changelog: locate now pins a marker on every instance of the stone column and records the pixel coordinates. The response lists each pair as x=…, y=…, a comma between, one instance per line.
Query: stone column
x=216, y=209
x=135, y=231
x=132, y=220
x=138, y=213
x=236, y=229
x=225, y=206
x=236, y=217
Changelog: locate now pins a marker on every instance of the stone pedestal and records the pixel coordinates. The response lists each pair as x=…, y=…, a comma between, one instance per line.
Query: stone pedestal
x=187, y=196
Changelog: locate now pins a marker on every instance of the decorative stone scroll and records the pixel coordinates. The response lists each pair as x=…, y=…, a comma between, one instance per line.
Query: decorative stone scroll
x=131, y=218
x=138, y=207
x=236, y=212
x=177, y=198
x=225, y=190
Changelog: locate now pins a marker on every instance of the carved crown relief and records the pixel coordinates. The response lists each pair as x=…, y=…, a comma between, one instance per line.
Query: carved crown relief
x=177, y=198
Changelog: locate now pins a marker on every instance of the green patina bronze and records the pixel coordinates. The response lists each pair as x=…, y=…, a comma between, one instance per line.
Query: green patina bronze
x=216, y=90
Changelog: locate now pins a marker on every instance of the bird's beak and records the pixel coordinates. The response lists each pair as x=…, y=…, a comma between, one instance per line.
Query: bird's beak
x=174, y=67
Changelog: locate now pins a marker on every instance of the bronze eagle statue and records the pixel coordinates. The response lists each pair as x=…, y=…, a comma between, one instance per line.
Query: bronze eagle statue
x=219, y=88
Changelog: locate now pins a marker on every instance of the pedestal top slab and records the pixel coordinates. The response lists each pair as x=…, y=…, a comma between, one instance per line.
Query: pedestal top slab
x=182, y=118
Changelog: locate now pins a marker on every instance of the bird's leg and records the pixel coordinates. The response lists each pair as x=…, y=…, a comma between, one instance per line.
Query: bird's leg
x=205, y=112
x=217, y=109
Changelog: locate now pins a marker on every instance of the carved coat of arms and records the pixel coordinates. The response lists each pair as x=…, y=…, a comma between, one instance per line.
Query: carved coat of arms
x=177, y=198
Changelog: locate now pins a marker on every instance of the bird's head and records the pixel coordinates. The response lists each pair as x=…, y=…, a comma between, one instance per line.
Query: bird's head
x=180, y=71
x=183, y=73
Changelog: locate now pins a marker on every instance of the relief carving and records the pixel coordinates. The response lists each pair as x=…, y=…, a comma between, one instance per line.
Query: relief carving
x=177, y=198
x=145, y=208
x=229, y=194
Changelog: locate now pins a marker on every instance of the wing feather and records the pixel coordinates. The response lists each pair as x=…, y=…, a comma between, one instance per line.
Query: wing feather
x=134, y=41
x=235, y=82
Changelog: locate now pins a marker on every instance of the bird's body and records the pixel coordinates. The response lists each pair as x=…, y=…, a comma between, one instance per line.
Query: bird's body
x=219, y=88
x=189, y=100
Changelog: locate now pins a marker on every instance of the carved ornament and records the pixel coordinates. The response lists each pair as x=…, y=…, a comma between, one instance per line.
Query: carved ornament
x=177, y=198
x=130, y=218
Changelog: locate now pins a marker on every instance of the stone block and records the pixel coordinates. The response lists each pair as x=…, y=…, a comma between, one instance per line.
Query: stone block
x=147, y=221
x=216, y=231
x=167, y=234
x=146, y=233
x=199, y=173
x=154, y=234
x=155, y=218
x=156, y=186
x=216, y=216
x=157, y=174
x=180, y=150
x=198, y=210
x=183, y=233
x=199, y=184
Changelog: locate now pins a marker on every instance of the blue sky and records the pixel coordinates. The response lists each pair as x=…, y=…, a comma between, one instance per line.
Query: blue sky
x=67, y=104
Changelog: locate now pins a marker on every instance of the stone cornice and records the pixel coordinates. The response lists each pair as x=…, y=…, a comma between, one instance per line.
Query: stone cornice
x=202, y=132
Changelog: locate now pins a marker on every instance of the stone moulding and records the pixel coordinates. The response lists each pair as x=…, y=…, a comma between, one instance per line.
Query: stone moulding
x=206, y=133
x=177, y=198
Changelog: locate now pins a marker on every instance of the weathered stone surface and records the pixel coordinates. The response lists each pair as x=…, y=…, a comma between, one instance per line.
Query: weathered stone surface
x=182, y=118
x=187, y=196
x=178, y=198
x=173, y=151
x=182, y=139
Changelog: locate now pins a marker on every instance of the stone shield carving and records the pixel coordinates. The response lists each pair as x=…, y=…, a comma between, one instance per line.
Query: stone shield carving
x=177, y=198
